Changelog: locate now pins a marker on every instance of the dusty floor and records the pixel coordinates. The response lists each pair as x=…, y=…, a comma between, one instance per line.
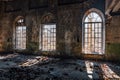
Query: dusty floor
x=22, y=67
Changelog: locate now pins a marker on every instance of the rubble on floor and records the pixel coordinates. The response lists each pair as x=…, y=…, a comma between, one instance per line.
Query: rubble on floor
x=26, y=67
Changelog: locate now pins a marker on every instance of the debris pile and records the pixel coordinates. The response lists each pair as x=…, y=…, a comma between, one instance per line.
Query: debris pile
x=22, y=67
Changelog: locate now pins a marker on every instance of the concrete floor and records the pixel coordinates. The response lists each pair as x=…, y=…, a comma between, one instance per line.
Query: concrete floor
x=26, y=67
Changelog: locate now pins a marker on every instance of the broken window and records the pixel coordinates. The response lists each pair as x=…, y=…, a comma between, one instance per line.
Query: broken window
x=48, y=37
x=20, y=35
x=93, y=34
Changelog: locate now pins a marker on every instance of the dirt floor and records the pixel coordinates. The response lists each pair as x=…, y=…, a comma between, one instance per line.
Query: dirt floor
x=27, y=67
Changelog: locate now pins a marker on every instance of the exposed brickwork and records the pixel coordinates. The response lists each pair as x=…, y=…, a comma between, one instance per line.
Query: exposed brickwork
x=68, y=19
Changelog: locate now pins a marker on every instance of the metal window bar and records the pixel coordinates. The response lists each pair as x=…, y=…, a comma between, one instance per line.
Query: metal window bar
x=20, y=36
x=48, y=41
x=89, y=37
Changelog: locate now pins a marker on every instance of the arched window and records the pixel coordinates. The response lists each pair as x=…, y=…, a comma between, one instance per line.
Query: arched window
x=47, y=36
x=20, y=34
x=93, y=33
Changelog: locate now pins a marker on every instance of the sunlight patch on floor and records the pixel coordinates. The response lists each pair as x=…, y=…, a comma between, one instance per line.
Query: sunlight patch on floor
x=108, y=73
x=8, y=56
x=89, y=67
x=36, y=60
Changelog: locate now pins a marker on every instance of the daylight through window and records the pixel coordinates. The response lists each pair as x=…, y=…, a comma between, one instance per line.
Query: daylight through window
x=20, y=35
x=48, y=37
x=93, y=34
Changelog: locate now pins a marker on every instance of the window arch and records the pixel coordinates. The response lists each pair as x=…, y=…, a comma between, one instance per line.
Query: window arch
x=93, y=32
x=93, y=17
x=20, y=34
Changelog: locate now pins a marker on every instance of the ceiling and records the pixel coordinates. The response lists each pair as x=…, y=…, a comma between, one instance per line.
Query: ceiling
x=113, y=5
x=117, y=7
x=6, y=0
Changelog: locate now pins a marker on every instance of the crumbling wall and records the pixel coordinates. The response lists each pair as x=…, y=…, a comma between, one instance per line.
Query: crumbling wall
x=6, y=33
x=69, y=26
x=68, y=19
x=113, y=38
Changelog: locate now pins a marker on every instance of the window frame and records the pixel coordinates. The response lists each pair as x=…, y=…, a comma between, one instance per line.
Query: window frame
x=41, y=38
x=20, y=23
x=102, y=32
